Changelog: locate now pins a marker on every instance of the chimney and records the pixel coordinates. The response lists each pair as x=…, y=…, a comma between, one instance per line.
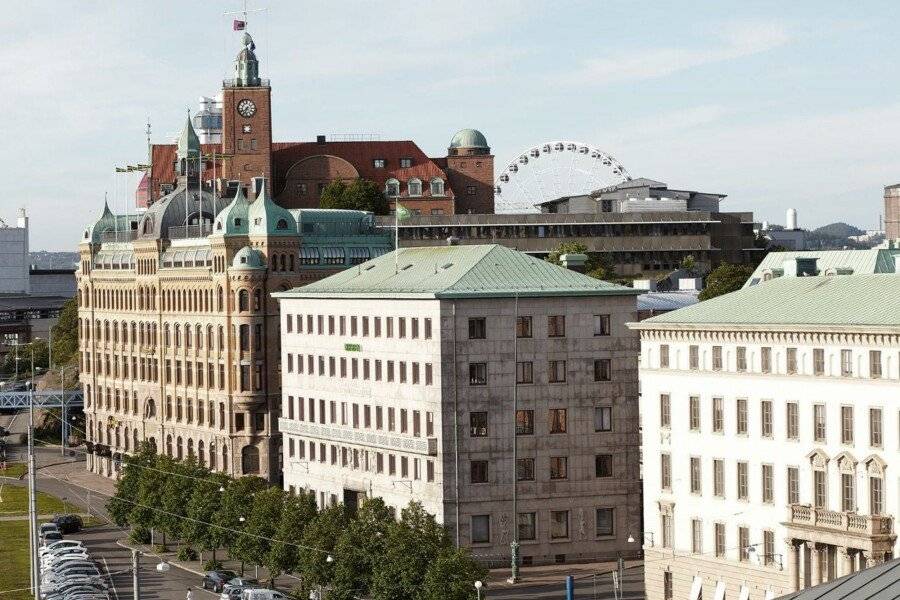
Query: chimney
x=574, y=262
x=690, y=284
x=22, y=220
x=801, y=267
x=452, y=241
x=320, y=139
x=645, y=284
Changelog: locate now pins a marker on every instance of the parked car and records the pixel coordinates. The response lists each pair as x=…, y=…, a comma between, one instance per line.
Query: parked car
x=240, y=582
x=262, y=594
x=53, y=547
x=87, y=583
x=216, y=580
x=71, y=566
x=45, y=527
x=51, y=536
x=68, y=523
x=235, y=592
x=50, y=561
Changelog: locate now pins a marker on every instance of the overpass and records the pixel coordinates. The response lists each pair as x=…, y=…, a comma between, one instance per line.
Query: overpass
x=42, y=399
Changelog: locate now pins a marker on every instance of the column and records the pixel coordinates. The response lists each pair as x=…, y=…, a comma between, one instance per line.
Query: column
x=844, y=562
x=793, y=564
x=815, y=564
x=870, y=561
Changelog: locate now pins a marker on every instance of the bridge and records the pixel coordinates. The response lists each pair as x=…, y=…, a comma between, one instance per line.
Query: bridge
x=42, y=399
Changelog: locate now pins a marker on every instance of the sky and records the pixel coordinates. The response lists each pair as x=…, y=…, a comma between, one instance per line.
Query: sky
x=776, y=104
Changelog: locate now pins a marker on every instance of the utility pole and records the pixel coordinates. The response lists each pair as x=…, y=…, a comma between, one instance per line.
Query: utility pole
x=135, y=574
x=32, y=489
x=514, y=544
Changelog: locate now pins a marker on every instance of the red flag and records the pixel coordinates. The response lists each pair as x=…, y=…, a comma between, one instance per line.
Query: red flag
x=239, y=25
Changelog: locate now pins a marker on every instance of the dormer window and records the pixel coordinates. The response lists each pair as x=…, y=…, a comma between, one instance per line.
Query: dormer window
x=437, y=187
x=405, y=163
x=281, y=224
x=414, y=187
x=257, y=221
x=392, y=188
x=237, y=222
x=378, y=163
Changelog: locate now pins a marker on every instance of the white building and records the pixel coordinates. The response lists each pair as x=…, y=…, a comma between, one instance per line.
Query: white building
x=15, y=264
x=409, y=376
x=770, y=437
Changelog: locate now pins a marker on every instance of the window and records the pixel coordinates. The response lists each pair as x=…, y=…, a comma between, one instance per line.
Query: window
x=602, y=369
x=818, y=361
x=477, y=328
x=478, y=422
x=846, y=363
x=765, y=359
x=719, y=477
x=479, y=471
x=819, y=422
x=605, y=526
x=717, y=358
x=557, y=371
x=557, y=420
x=848, y=493
x=525, y=372
x=527, y=526
x=718, y=415
x=695, y=475
x=876, y=496
x=741, y=406
x=665, y=475
x=696, y=536
x=525, y=469
x=378, y=163
x=791, y=359
x=603, y=465
x=820, y=488
x=603, y=418
x=601, y=325
x=793, y=421
x=765, y=417
x=768, y=483
x=846, y=424
x=437, y=187
x=663, y=356
x=793, y=485
x=470, y=190
x=875, y=427
x=741, y=358
x=523, y=327
x=559, y=467
x=720, y=539
x=744, y=543
x=556, y=326
x=768, y=547
x=665, y=411
x=524, y=422
x=477, y=373
x=481, y=529
x=694, y=408
x=405, y=163
x=694, y=357
x=559, y=524
x=666, y=526
x=742, y=484
x=875, y=364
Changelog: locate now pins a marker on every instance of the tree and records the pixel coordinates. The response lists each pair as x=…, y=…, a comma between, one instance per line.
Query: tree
x=360, y=194
x=452, y=576
x=359, y=549
x=237, y=502
x=65, y=334
x=318, y=542
x=41, y=359
x=412, y=545
x=595, y=266
x=724, y=279
x=298, y=512
x=150, y=494
x=121, y=505
x=176, y=495
x=205, y=501
x=688, y=263
x=255, y=547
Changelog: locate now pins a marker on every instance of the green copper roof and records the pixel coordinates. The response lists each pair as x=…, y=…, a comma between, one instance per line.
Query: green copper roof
x=477, y=271
x=832, y=300
x=233, y=220
x=267, y=218
x=248, y=258
x=468, y=138
x=861, y=262
x=188, y=142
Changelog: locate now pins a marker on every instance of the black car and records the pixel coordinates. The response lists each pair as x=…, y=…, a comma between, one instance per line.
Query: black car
x=68, y=523
x=216, y=580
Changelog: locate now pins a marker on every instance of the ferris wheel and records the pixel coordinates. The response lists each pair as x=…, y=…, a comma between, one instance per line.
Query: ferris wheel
x=553, y=170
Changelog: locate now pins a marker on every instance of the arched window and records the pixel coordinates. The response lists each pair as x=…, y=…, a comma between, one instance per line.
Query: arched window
x=281, y=224
x=243, y=300
x=179, y=446
x=414, y=187
x=190, y=448
x=201, y=457
x=212, y=455
x=134, y=438
x=250, y=460
x=257, y=299
x=437, y=187
x=219, y=296
x=199, y=337
x=392, y=188
x=225, y=458
x=169, y=445
x=150, y=410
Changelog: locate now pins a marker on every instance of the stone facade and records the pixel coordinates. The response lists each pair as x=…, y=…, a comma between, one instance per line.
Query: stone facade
x=892, y=212
x=410, y=399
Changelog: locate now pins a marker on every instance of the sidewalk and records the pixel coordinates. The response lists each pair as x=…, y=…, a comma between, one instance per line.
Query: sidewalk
x=552, y=573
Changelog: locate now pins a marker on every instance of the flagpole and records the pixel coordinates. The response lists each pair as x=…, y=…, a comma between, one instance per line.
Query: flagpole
x=396, y=235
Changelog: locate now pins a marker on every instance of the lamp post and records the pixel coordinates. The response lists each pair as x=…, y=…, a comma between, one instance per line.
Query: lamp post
x=478, y=586
x=64, y=409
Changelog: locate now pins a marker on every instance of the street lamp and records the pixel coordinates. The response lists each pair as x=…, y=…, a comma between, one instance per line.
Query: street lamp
x=644, y=536
x=478, y=586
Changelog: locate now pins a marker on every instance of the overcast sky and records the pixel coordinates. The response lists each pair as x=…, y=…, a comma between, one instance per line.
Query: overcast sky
x=777, y=104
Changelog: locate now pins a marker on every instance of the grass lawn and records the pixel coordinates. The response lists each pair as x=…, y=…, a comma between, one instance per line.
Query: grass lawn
x=13, y=470
x=14, y=558
x=15, y=502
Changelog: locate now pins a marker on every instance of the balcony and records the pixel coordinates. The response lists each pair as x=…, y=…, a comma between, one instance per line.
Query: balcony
x=364, y=437
x=840, y=522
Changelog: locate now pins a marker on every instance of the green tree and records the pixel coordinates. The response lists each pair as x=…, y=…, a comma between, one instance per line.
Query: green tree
x=360, y=194
x=150, y=494
x=256, y=546
x=65, y=334
x=688, y=263
x=121, y=505
x=176, y=495
x=359, y=550
x=205, y=502
x=318, y=542
x=298, y=512
x=41, y=359
x=452, y=576
x=724, y=279
x=237, y=502
x=412, y=544
x=595, y=266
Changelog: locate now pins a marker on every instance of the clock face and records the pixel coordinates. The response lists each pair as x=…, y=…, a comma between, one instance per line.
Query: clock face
x=246, y=108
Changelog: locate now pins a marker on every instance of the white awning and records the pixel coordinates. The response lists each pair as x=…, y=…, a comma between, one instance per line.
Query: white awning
x=333, y=252
x=696, y=588
x=359, y=253
x=310, y=252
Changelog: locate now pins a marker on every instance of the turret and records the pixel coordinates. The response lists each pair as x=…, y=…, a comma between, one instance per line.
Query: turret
x=246, y=66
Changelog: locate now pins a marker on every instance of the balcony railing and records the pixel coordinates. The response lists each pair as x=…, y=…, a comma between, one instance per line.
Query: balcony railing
x=802, y=514
x=184, y=232
x=118, y=236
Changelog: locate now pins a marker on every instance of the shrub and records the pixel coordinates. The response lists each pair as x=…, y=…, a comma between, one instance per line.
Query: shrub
x=140, y=535
x=160, y=548
x=212, y=565
x=186, y=553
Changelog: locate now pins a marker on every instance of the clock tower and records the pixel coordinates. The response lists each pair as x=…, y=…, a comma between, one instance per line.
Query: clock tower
x=247, y=119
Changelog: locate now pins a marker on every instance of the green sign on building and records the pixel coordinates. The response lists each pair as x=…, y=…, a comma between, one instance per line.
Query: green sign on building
x=352, y=347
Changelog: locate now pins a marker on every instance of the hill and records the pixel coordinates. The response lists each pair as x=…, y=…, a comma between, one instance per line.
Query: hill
x=838, y=230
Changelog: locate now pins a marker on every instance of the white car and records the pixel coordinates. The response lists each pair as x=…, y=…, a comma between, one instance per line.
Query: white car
x=59, y=545
x=55, y=560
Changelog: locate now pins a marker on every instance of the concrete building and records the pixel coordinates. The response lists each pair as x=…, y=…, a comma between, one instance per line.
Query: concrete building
x=179, y=335
x=636, y=243
x=770, y=433
x=497, y=389
x=892, y=212
x=14, y=261
x=824, y=262
x=635, y=195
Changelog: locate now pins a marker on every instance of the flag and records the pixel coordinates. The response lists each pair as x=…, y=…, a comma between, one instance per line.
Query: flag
x=239, y=25
x=402, y=212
